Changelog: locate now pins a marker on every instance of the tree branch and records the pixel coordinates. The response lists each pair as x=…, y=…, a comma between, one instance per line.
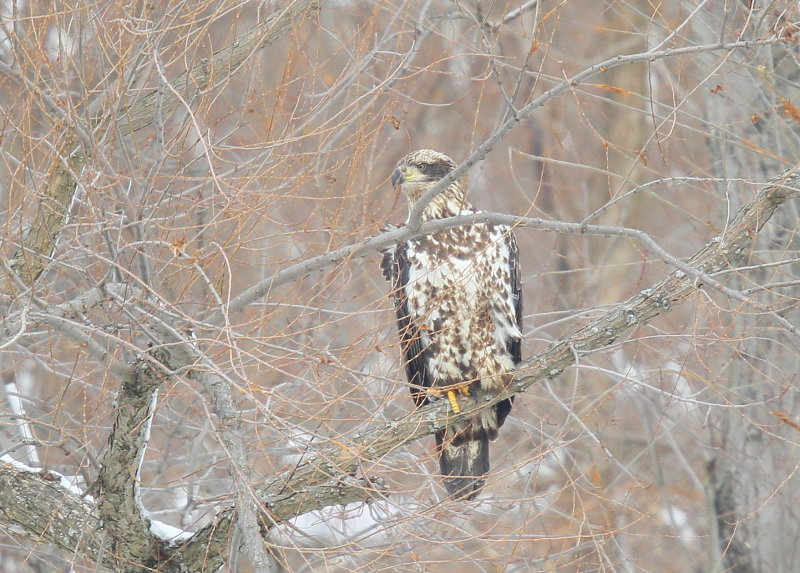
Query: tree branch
x=133, y=546
x=415, y=227
x=210, y=73
x=51, y=214
x=37, y=505
x=415, y=216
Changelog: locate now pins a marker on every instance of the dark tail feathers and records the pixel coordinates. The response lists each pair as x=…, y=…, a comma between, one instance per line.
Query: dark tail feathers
x=464, y=463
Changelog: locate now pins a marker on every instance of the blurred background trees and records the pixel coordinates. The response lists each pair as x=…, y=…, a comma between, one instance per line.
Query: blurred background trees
x=159, y=159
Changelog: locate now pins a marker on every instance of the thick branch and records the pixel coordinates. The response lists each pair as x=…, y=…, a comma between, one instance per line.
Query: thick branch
x=132, y=544
x=207, y=547
x=218, y=391
x=35, y=504
x=51, y=213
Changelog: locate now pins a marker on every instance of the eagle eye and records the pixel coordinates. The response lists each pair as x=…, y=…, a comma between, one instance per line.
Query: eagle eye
x=423, y=167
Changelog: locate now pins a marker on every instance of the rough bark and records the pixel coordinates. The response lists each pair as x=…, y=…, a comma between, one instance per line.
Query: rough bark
x=130, y=541
x=36, y=505
x=51, y=213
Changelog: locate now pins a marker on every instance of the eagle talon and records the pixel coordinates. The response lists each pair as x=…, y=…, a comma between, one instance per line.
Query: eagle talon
x=451, y=395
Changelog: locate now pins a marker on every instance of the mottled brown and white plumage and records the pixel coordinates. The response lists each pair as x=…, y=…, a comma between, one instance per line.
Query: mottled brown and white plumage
x=459, y=312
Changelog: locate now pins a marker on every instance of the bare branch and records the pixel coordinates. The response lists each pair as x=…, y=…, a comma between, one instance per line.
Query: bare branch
x=511, y=15
x=218, y=391
x=208, y=74
x=61, y=318
x=231, y=178
x=37, y=505
x=414, y=226
x=120, y=504
x=39, y=243
x=132, y=543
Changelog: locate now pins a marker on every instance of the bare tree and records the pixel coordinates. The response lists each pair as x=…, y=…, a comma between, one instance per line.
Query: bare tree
x=200, y=361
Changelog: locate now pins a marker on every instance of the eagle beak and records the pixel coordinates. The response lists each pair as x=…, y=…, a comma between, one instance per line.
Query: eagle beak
x=397, y=177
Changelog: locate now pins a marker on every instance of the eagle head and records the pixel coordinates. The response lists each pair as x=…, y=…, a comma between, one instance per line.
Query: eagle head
x=420, y=170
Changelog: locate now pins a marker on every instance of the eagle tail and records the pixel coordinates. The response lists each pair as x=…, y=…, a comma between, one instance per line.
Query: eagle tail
x=464, y=463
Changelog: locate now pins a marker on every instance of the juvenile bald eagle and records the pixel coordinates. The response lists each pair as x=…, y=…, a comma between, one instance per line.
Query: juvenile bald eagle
x=459, y=312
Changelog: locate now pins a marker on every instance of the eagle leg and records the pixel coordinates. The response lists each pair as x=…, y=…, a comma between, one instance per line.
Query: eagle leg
x=451, y=395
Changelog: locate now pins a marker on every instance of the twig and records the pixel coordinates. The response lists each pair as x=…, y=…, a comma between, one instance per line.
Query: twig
x=39, y=243
x=511, y=15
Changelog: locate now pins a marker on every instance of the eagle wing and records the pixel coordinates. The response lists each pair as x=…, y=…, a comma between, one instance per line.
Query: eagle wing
x=513, y=344
x=395, y=268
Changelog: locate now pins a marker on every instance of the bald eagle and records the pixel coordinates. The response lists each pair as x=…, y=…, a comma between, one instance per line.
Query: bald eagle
x=459, y=313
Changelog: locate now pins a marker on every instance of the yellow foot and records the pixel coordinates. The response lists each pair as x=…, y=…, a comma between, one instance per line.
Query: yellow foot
x=451, y=395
